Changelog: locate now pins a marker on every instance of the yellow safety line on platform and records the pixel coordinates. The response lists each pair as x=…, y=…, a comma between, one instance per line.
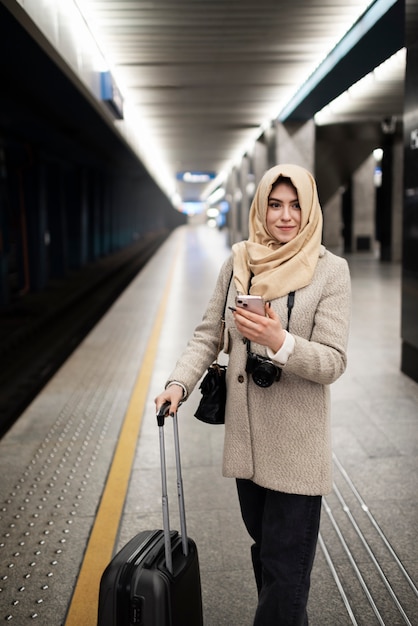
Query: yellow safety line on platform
x=84, y=603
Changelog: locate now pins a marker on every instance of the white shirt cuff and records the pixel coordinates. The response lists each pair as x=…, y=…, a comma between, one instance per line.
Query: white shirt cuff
x=282, y=355
x=175, y=382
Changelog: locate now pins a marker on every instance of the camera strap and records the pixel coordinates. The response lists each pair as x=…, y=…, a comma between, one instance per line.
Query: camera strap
x=290, y=304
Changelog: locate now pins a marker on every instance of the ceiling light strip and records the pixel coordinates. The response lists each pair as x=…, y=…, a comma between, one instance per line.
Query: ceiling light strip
x=365, y=23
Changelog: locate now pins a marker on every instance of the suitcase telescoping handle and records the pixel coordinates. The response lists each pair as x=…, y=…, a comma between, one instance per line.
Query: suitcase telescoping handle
x=161, y=416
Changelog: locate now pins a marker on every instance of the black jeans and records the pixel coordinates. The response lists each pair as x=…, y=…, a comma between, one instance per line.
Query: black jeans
x=285, y=530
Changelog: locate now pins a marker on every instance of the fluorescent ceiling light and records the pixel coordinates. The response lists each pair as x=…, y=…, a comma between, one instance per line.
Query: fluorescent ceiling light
x=350, y=39
x=386, y=71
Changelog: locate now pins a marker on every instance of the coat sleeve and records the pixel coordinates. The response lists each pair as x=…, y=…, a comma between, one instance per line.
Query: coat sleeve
x=202, y=348
x=322, y=358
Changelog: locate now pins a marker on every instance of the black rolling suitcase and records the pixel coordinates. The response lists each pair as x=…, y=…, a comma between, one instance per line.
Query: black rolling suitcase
x=155, y=580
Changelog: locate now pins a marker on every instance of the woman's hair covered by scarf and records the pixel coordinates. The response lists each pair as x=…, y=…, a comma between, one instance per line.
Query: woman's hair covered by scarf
x=274, y=268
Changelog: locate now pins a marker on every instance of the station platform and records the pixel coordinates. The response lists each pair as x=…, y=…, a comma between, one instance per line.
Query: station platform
x=80, y=467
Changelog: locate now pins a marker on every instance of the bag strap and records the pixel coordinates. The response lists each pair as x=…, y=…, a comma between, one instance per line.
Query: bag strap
x=290, y=303
x=226, y=297
x=223, y=318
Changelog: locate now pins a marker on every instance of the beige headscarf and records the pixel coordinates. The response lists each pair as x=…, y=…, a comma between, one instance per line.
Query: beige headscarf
x=278, y=268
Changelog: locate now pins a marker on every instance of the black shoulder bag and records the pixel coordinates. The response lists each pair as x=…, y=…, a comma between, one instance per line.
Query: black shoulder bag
x=211, y=409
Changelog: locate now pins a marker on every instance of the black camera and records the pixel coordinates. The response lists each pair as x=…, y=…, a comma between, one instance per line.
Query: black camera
x=263, y=371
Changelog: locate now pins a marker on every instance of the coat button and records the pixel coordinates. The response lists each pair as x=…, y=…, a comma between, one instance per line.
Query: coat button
x=240, y=378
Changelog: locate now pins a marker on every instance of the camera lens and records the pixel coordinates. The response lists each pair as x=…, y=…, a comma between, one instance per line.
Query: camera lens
x=264, y=374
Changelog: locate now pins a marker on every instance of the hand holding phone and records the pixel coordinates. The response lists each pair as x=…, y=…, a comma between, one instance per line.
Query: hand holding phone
x=255, y=304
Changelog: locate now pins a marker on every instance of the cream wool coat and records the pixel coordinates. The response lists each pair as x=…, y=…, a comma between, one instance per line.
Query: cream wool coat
x=280, y=436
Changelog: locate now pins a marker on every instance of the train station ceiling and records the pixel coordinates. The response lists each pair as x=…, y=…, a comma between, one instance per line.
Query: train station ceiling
x=206, y=76
x=203, y=79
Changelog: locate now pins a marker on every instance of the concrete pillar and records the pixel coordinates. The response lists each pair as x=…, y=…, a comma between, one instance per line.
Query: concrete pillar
x=246, y=197
x=389, y=200
x=409, y=317
x=295, y=143
x=332, y=231
x=384, y=196
x=270, y=139
x=364, y=202
x=260, y=160
x=397, y=201
x=231, y=188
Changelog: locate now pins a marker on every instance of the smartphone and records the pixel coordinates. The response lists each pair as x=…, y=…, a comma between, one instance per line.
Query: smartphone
x=255, y=304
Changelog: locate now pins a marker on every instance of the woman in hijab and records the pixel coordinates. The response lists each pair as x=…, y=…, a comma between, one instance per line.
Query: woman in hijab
x=277, y=425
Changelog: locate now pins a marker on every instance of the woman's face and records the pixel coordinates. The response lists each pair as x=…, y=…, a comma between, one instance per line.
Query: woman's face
x=283, y=212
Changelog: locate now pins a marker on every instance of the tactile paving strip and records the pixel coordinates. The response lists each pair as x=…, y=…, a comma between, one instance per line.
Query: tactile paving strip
x=46, y=517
